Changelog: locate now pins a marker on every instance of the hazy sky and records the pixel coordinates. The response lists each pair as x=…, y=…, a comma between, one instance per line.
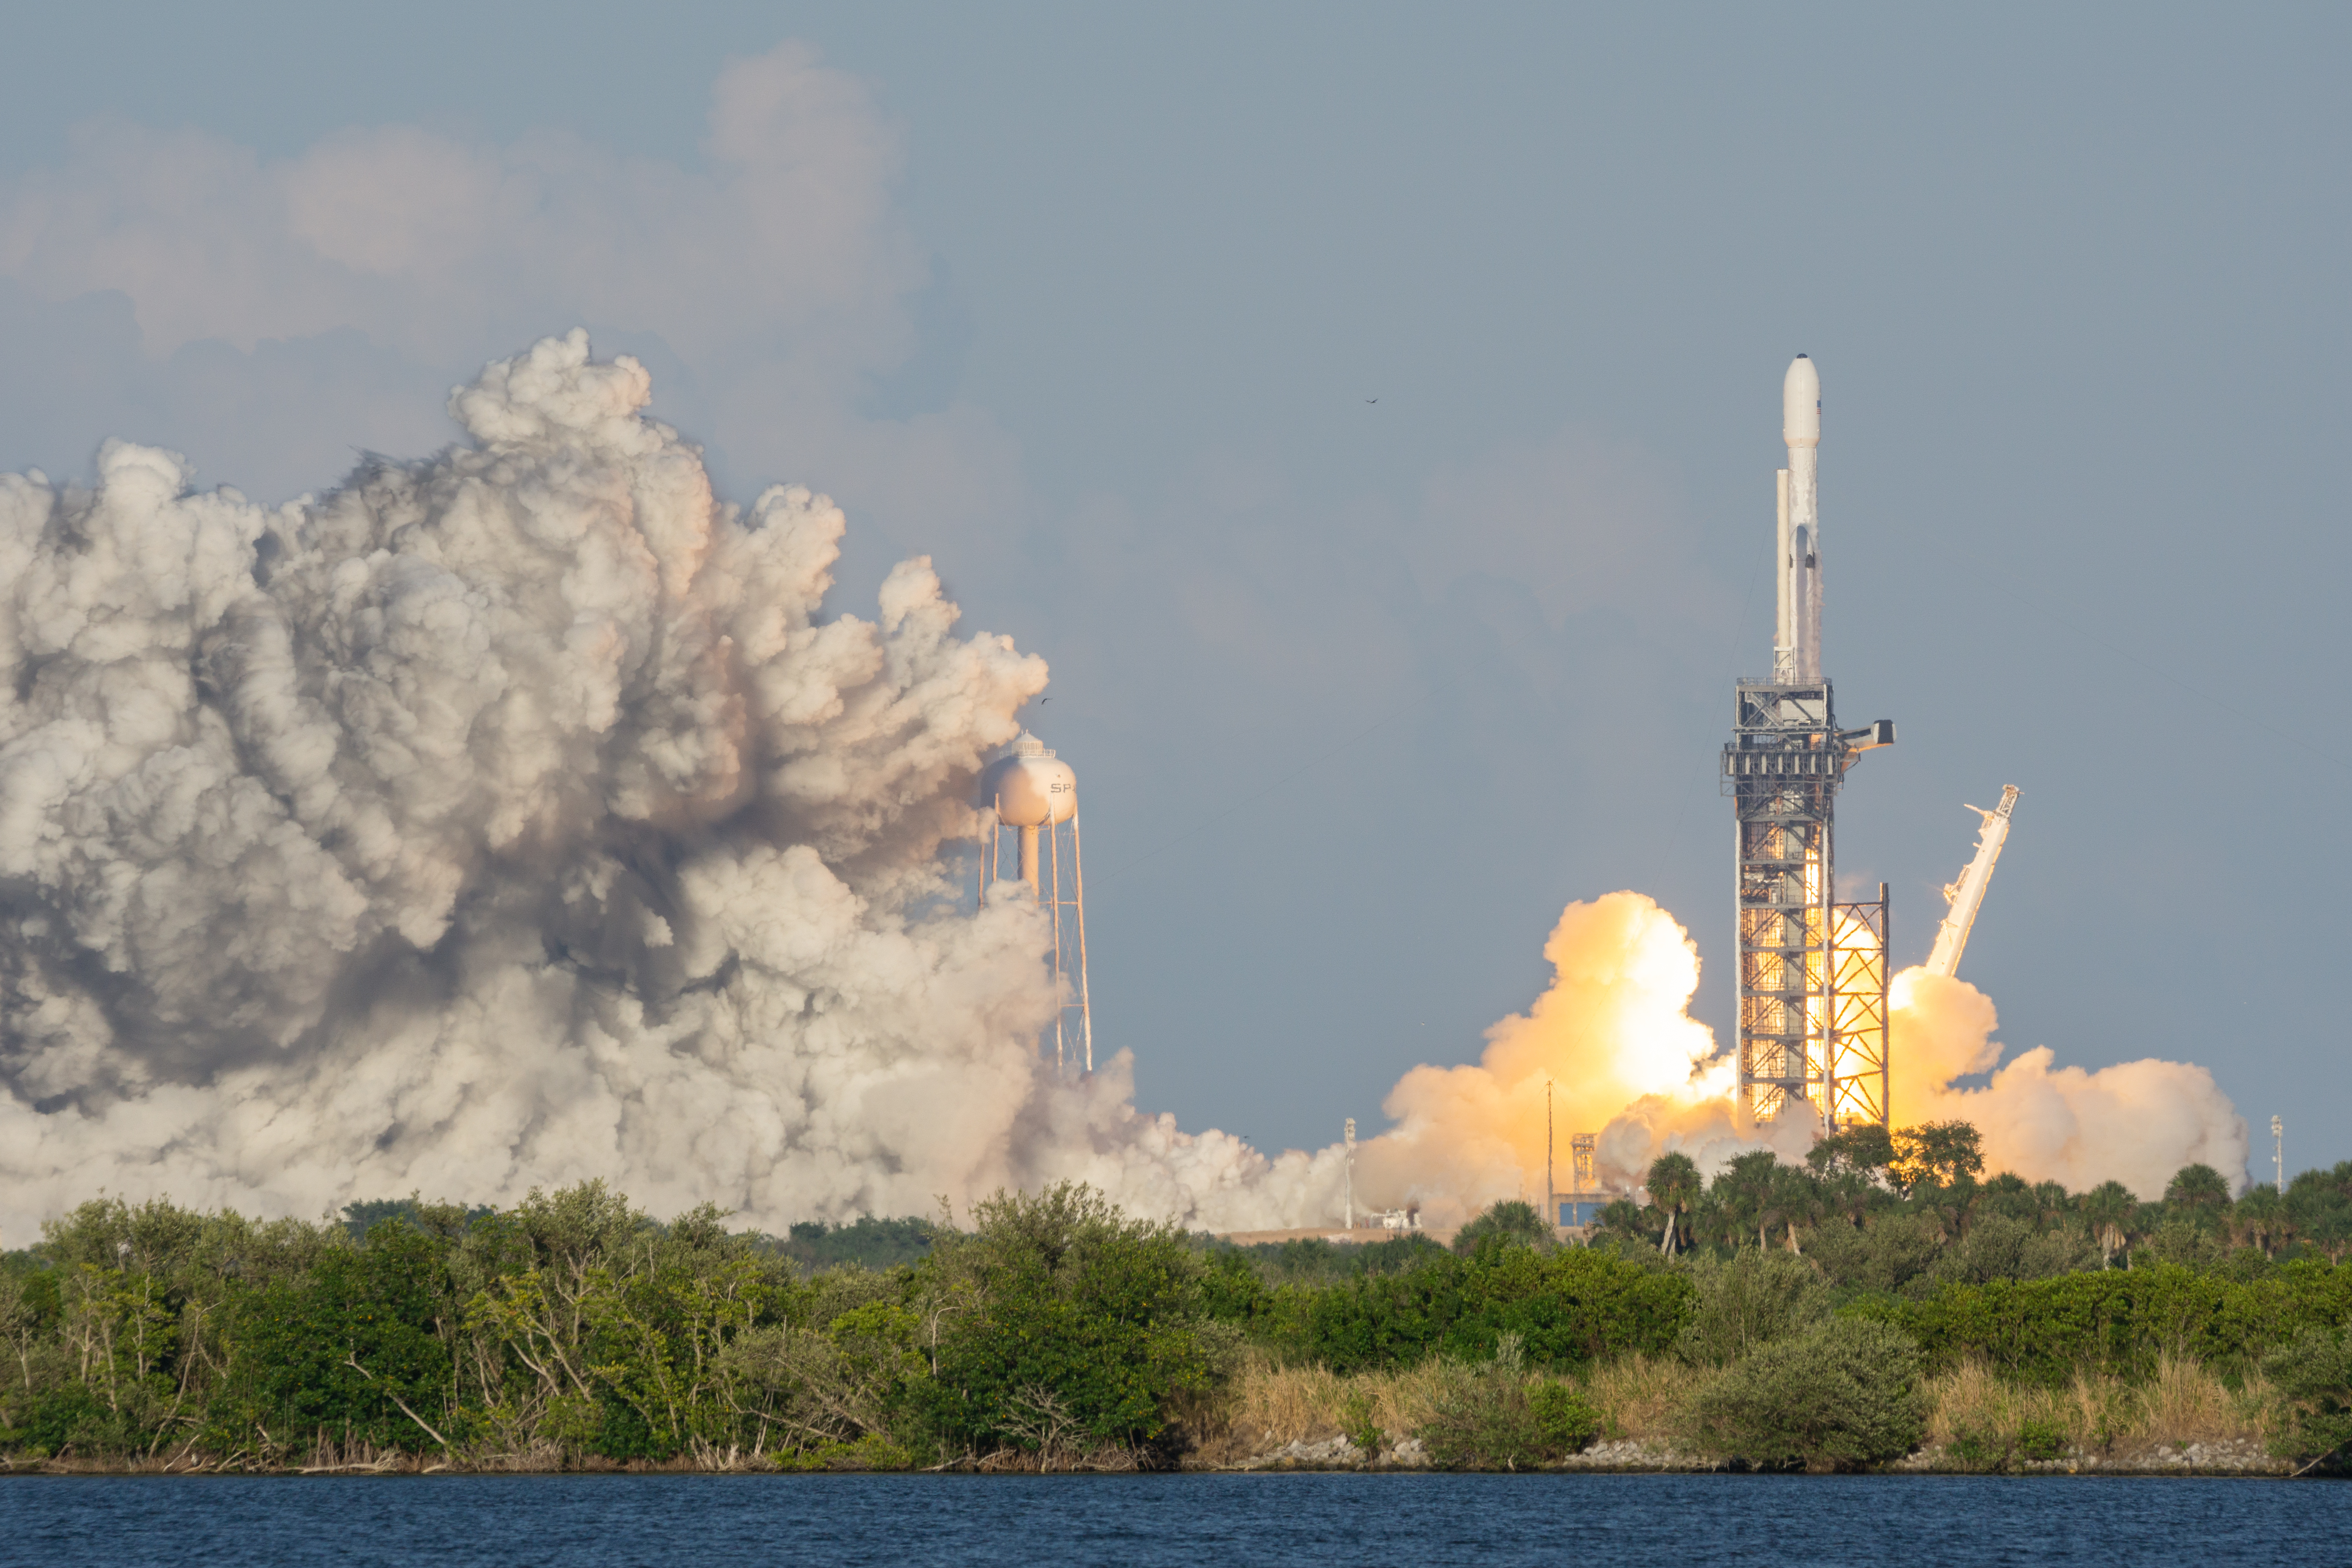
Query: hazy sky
x=1091, y=302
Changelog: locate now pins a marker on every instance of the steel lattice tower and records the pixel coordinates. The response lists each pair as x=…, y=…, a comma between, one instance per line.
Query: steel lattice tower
x=1813, y=971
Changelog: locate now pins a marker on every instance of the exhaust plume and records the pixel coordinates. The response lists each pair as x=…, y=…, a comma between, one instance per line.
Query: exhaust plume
x=1613, y=1035
x=512, y=817
x=2135, y=1123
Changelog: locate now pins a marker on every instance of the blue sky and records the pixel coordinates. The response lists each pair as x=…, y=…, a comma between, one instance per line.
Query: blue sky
x=1088, y=303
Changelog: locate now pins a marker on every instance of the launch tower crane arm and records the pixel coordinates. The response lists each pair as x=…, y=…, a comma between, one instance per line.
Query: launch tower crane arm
x=1966, y=895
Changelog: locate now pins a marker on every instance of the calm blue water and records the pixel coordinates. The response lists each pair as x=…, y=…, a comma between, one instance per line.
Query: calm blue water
x=1650, y=1522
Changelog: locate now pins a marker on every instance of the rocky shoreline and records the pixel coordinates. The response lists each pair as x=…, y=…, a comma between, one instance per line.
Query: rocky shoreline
x=1635, y=1455
x=1631, y=1455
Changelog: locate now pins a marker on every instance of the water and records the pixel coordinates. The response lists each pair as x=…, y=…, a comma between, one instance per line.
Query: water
x=1141, y=1522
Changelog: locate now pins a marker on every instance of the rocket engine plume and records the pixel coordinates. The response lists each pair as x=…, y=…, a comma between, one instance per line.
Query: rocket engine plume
x=2136, y=1122
x=1613, y=1036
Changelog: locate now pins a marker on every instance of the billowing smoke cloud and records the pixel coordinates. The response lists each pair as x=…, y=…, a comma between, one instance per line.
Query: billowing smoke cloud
x=510, y=819
x=1614, y=1037
x=2135, y=1123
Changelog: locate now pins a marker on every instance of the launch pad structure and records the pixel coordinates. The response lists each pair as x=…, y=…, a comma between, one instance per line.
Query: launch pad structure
x=1812, y=970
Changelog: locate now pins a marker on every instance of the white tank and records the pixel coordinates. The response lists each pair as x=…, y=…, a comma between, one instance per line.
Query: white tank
x=1801, y=405
x=1026, y=787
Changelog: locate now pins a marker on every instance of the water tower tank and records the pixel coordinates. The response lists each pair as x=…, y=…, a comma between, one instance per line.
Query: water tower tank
x=1031, y=791
x=1027, y=787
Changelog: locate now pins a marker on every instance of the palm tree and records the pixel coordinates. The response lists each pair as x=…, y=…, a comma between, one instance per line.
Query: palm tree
x=2198, y=1192
x=2259, y=1219
x=1797, y=1199
x=1674, y=1182
x=2319, y=1203
x=1744, y=1190
x=2108, y=1209
x=1711, y=1221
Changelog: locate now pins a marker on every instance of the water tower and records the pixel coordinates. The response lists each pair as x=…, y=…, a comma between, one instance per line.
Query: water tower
x=1035, y=796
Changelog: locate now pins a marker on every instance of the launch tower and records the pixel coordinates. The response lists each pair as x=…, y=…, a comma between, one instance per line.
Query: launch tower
x=1813, y=971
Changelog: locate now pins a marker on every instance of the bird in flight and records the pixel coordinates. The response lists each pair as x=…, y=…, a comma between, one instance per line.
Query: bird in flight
x=1372, y=400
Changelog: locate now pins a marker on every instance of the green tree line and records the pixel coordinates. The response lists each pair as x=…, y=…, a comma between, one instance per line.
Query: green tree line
x=1053, y=1329
x=1952, y=1219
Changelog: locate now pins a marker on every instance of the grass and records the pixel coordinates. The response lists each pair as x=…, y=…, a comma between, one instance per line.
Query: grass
x=1644, y=1397
x=1974, y=1414
x=1269, y=1406
x=2184, y=1403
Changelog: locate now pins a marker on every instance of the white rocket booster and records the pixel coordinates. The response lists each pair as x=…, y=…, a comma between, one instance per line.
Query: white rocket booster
x=1797, y=645
x=1966, y=895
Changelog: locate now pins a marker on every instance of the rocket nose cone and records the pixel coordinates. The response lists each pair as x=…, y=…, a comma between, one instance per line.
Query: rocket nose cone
x=1801, y=404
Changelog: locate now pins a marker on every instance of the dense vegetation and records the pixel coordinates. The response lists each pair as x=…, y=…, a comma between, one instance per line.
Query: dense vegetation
x=1804, y=1304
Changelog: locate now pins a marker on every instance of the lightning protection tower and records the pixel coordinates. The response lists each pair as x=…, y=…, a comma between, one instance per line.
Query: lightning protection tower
x=1034, y=797
x=1812, y=972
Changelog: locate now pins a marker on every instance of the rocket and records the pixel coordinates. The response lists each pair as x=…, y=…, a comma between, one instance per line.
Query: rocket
x=1797, y=640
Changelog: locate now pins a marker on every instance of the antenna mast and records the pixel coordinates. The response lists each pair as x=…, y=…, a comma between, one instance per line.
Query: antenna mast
x=1348, y=1172
x=1551, y=1201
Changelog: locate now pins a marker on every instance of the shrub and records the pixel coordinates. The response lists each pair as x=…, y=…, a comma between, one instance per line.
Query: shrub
x=1565, y=1419
x=1988, y=1449
x=1356, y=1421
x=871, y=1452
x=1756, y=1297
x=1493, y=1416
x=1514, y=1223
x=1568, y=1308
x=1231, y=1292
x=2042, y=1439
x=1979, y=1448
x=2313, y=1378
x=1066, y=1327
x=67, y=1418
x=1891, y=1254
x=1999, y=1246
x=2117, y=1321
x=1840, y=1397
